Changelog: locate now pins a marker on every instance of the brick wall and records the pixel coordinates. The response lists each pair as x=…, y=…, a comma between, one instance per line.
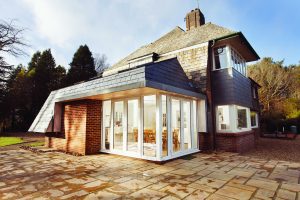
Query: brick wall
x=81, y=128
x=235, y=142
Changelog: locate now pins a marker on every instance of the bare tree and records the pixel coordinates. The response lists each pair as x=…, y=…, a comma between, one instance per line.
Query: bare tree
x=11, y=42
x=100, y=63
x=275, y=80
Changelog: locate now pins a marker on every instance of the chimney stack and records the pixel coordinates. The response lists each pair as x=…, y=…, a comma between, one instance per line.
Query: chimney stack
x=194, y=19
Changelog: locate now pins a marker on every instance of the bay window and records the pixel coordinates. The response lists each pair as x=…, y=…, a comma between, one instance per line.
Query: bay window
x=228, y=57
x=232, y=118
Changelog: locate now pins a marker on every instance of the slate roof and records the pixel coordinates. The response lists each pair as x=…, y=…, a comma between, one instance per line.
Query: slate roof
x=167, y=75
x=178, y=39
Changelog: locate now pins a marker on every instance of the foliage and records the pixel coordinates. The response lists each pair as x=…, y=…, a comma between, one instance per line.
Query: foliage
x=36, y=144
x=11, y=42
x=82, y=67
x=5, y=141
x=101, y=64
x=279, y=93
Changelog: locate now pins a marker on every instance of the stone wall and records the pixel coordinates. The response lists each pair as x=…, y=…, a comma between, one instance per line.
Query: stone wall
x=194, y=63
x=81, y=128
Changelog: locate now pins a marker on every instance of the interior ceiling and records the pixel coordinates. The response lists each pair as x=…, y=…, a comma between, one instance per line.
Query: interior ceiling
x=131, y=94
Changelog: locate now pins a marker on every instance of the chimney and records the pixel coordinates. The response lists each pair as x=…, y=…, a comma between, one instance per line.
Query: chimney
x=194, y=19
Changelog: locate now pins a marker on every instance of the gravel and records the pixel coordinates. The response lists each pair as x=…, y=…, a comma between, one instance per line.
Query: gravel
x=276, y=149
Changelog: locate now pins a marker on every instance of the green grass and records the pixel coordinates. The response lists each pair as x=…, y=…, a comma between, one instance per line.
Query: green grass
x=5, y=141
x=36, y=144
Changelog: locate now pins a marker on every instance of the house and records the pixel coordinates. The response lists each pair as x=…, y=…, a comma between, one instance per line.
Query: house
x=185, y=92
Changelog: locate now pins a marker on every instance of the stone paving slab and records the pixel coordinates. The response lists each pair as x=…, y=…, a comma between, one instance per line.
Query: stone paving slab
x=52, y=175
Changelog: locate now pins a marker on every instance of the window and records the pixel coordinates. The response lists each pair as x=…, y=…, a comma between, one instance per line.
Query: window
x=253, y=117
x=132, y=125
x=223, y=118
x=164, y=125
x=241, y=118
x=118, y=125
x=226, y=56
x=176, y=124
x=149, y=144
x=195, y=134
x=187, y=125
x=106, y=123
x=254, y=94
x=221, y=60
x=232, y=118
x=238, y=62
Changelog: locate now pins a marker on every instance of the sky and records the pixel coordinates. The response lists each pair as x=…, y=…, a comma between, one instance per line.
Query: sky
x=118, y=27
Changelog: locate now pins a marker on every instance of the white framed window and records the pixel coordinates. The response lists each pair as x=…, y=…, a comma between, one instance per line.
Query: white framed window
x=254, y=119
x=232, y=118
x=228, y=57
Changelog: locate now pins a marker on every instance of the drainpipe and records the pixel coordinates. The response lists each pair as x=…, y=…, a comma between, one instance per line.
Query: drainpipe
x=212, y=105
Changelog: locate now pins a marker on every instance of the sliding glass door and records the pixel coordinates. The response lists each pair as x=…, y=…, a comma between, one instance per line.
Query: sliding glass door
x=149, y=139
x=176, y=124
x=118, y=124
x=132, y=125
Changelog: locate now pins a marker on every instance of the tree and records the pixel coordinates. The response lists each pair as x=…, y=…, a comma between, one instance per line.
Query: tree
x=275, y=80
x=11, y=42
x=82, y=66
x=100, y=63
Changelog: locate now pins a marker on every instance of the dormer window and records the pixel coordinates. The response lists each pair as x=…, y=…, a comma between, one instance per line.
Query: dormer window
x=227, y=57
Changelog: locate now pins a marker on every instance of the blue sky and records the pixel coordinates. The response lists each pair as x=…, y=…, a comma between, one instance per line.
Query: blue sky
x=118, y=27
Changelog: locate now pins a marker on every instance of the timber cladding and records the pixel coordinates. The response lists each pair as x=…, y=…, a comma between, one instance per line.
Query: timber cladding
x=81, y=128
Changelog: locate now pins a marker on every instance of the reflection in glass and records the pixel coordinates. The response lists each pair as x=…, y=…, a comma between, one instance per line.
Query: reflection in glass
x=175, y=115
x=118, y=125
x=242, y=118
x=149, y=140
x=164, y=126
x=106, y=123
x=132, y=125
x=187, y=125
x=195, y=134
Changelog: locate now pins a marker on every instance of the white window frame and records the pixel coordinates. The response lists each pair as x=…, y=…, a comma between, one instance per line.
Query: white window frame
x=231, y=51
x=233, y=119
x=158, y=156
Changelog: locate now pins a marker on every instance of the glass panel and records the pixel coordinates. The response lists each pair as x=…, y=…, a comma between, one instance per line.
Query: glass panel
x=118, y=125
x=149, y=144
x=132, y=125
x=164, y=126
x=253, y=119
x=223, y=118
x=242, y=118
x=187, y=125
x=221, y=60
x=195, y=139
x=106, y=123
x=176, y=124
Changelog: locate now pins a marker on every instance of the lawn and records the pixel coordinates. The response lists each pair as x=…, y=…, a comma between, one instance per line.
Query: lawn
x=5, y=141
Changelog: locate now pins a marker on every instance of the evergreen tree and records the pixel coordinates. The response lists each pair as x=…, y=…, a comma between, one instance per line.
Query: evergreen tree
x=82, y=66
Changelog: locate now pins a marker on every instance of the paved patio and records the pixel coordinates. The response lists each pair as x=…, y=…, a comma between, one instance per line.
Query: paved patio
x=26, y=175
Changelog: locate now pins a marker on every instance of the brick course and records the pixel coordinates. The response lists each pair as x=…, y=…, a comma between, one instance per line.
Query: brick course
x=235, y=142
x=81, y=128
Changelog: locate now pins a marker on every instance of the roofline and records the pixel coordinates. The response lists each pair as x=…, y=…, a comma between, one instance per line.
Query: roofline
x=253, y=81
x=240, y=34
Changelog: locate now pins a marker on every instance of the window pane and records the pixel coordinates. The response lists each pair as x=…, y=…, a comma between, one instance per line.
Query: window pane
x=253, y=119
x=242, y=118
x=176, y=124
x=118, y=125
x=223, y=118
x=187, y=125
x=221, y=61
x=164, y=126
x=195, y=135
x=149, y=146
x=132, y=125
x=106, y=123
